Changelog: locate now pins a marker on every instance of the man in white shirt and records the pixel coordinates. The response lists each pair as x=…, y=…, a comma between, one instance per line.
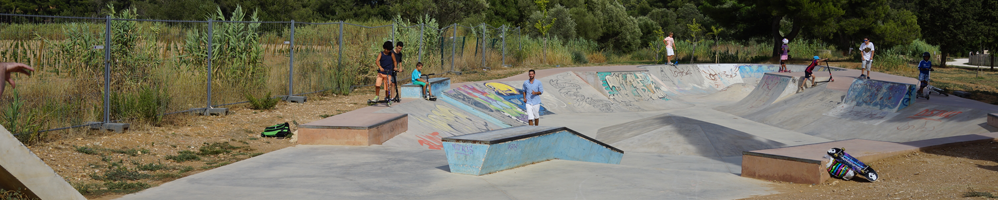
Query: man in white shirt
x=670, y=44
x=867, y=50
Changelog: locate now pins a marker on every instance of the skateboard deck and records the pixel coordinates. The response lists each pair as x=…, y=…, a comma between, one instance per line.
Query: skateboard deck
x=840, y=155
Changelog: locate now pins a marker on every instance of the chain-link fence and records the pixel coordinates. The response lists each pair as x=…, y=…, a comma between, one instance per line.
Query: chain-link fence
x=120, y=69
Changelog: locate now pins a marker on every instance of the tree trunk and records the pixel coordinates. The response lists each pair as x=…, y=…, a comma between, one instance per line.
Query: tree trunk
x=777, y=38
x=942, y=59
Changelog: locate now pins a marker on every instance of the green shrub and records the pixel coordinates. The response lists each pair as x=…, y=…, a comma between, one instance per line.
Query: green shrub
x=21, y=121
x=579, y=57
x=264, y=103
x=184, y=156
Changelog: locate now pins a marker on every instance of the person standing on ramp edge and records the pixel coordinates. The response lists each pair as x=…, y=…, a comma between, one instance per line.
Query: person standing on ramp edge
x=532, y=90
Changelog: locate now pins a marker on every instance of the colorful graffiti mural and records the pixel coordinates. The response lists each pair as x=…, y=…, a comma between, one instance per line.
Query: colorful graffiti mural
x=493, y=99
x=881, y=95
x=756, y=71
x=631, y=86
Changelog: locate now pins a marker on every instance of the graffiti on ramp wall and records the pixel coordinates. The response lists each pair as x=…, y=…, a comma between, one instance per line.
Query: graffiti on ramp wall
x=881, y=95
x=501, y=104
x=630, y=86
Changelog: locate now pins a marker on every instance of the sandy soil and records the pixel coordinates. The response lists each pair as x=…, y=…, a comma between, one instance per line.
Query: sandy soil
x=946, y=173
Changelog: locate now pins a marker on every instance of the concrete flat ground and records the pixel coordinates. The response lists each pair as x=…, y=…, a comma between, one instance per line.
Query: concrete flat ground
x=682, y=129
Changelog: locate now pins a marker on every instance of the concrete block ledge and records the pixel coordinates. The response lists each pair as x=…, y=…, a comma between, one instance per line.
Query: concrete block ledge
x=805, y=163
x=498, y=150
x=360, y=127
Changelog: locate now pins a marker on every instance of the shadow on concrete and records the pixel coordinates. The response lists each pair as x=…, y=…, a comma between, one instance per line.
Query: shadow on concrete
x=445, y=168
x=988, y=127
x=676, y=135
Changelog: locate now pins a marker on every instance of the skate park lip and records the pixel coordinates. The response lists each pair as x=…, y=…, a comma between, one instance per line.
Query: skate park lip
x=404, y=168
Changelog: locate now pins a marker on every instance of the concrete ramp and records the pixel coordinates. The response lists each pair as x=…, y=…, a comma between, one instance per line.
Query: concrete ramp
x=493, y=151
x=677, y=135
x=771, y=88
x=21, y=170
x=567, y=93
x=429, y=121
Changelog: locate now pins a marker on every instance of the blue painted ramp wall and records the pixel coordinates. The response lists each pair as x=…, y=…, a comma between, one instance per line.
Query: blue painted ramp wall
x=493, y=151
x=437, y=85
x=881, y=95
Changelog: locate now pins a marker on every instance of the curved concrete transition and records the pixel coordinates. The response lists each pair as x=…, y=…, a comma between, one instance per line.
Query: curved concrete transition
x=685, y=129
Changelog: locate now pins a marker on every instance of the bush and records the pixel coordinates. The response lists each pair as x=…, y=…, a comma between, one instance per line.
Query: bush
x=579, y=58
x=265, y=103
x=86, y=150
x=184, y=156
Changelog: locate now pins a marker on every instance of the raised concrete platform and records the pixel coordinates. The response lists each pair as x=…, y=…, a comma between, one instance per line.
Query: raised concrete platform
x=806, y=164
x=22, y=170
x=361, y=127
x=993, y=119
x=437, y=85
x=493, y=151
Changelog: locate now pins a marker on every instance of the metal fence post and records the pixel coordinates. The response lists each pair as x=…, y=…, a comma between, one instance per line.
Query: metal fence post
x=504, y=45
x=483, y=47
x=453, y=47
x=519, y=37
x=291, y=62
x=107, y=70
x=211, y=34
x=421, y=41
x=394, y=43
x=339, y=61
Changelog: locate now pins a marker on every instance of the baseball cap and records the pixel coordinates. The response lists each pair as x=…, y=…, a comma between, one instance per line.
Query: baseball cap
x=816, y=57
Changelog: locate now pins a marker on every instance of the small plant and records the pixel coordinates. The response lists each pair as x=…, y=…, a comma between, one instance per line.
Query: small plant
x=216, y=148
x=265, y=103
x=119, y=174
x=14, y=195
x=184, y=156
x=151, y=166
x=125, y=187
x=166, y=176
x=186, y=169
x=973, y=193
x=212, y=166
x=86, y=150
x=21, y=121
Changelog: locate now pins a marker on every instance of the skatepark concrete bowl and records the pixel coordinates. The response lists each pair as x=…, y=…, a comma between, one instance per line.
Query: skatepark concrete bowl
x=684, y=129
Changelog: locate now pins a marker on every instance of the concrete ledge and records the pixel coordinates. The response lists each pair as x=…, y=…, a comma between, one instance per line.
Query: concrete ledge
x=360, y=127
x=437, y=85
x=805, y=164
x=216, y=111
x=294, y=99
x=993, y=119
x=20, y=169
x=494, y=151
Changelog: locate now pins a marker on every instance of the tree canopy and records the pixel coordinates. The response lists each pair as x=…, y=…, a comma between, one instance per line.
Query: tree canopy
x=618, y=25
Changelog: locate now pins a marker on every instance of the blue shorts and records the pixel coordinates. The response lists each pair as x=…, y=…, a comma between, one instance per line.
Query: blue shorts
x=923, y=77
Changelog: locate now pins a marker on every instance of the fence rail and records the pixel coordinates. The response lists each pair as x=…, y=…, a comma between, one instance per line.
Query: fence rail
x=116, y=69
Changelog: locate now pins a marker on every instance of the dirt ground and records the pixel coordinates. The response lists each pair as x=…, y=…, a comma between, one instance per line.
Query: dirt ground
x=945, y=173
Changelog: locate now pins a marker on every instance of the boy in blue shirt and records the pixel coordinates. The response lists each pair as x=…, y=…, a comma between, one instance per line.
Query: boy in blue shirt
x=416, y=75
x=924, y=67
